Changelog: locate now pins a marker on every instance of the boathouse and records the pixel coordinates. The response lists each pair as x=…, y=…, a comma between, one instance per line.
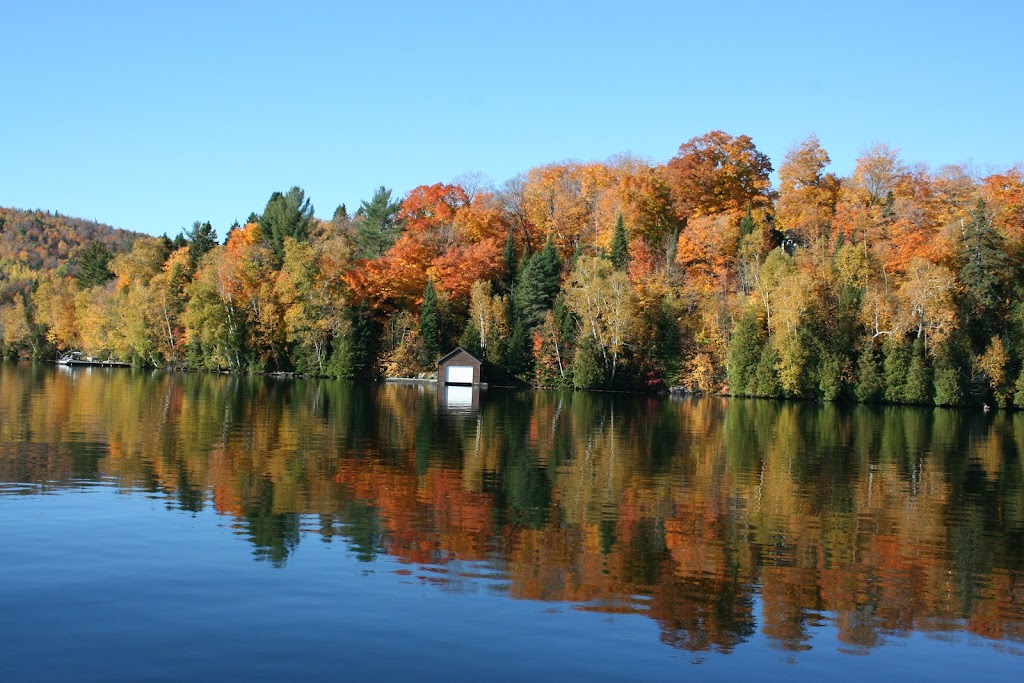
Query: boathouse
x=460, y=367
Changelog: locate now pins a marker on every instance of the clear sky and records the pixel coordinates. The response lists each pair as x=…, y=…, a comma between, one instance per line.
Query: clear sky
x=150, y=116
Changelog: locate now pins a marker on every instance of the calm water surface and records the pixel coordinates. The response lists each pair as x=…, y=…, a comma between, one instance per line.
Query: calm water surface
x=165, y=526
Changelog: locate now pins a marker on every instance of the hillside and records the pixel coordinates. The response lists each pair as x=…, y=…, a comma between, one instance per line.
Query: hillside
x=41, y=240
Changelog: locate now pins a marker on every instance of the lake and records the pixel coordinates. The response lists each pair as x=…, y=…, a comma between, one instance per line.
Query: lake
x=187, y=526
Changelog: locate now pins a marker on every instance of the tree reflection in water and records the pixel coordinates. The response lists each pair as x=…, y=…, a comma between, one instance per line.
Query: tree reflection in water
x=716, y=518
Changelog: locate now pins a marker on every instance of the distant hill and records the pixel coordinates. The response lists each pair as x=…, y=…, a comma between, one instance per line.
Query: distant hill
x=41, y=240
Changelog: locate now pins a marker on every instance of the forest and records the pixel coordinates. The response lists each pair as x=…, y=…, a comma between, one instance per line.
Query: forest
x=896, y=284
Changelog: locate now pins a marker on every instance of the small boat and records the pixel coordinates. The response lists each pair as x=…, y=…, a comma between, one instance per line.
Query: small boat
x=75, y=358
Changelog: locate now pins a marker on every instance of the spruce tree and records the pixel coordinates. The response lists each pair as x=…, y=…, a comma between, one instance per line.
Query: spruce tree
x=668, y=345
x=747, y=224
x=830, y=376
x=870, y=387
x=352, y=353
x=379, y=226
x=470, y=338
x=619, y=253
x=983, y=271
x=765, y=382
x=918, y=387
x=745, y=349
x=895, y=368
x=286, y=215
x=1018, y=396
x=430, y=326
x=93, y=264
x=587, y=372
x=950, y=374
x=537, y=286
x=201, y=239
x=510, y=261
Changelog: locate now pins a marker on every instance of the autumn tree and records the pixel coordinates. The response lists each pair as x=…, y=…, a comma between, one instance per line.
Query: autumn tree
x=717, y=173
x=603, y=301
x=807, y=195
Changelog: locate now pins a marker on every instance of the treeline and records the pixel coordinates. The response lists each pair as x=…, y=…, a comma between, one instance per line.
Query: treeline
x=898, y=283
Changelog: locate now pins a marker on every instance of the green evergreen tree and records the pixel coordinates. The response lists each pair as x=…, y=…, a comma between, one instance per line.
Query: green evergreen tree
x=984, y=267
x=1018, y=396
x=430, y=326
x=747, y=224
x=668, y=345
x=587, y=370
x=765, y=382
x=286, y=215
x=94, y=264
x=510, y=260
x=353, y=353
x=830, y=376
x=537, y=286
x=379, y=227
x=470, y=338
x=619, y=253
x=745, y=350
x=950, y=373
x=918, y=386
x=516, y=351
x=870, y=387
x=895, y=368
x=201, y=239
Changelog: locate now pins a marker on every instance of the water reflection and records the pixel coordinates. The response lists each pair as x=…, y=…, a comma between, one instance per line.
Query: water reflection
x=717, y=519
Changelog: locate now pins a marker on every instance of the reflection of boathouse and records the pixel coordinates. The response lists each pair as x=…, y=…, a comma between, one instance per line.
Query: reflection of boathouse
x=460, y=375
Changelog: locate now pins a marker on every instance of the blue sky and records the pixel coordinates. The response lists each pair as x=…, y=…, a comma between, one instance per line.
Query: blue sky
x=149, y=116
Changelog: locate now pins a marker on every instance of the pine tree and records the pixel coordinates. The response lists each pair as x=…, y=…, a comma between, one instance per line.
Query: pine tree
x=918, y=387
x=379, y=226
x=509, y=259
x=430, y=326
x=747, y=224
x=870, y=386
x=983, y=270
x=286, y=215
x=745, y=348
x=201, y=239
x=587, y=372
x=619, y=253
x=895, y=368
x=1018, y=397
x=93, y=265
x=830, y=376
x=537, y=285
x=470, y=338
x=668, y=346
x=949, y=372
x=765, y=382
x=352, y=354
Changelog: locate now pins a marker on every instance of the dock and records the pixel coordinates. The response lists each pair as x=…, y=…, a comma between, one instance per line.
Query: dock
x=76, y=359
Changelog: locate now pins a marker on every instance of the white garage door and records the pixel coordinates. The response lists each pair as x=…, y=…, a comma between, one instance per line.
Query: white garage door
x=458, y=374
